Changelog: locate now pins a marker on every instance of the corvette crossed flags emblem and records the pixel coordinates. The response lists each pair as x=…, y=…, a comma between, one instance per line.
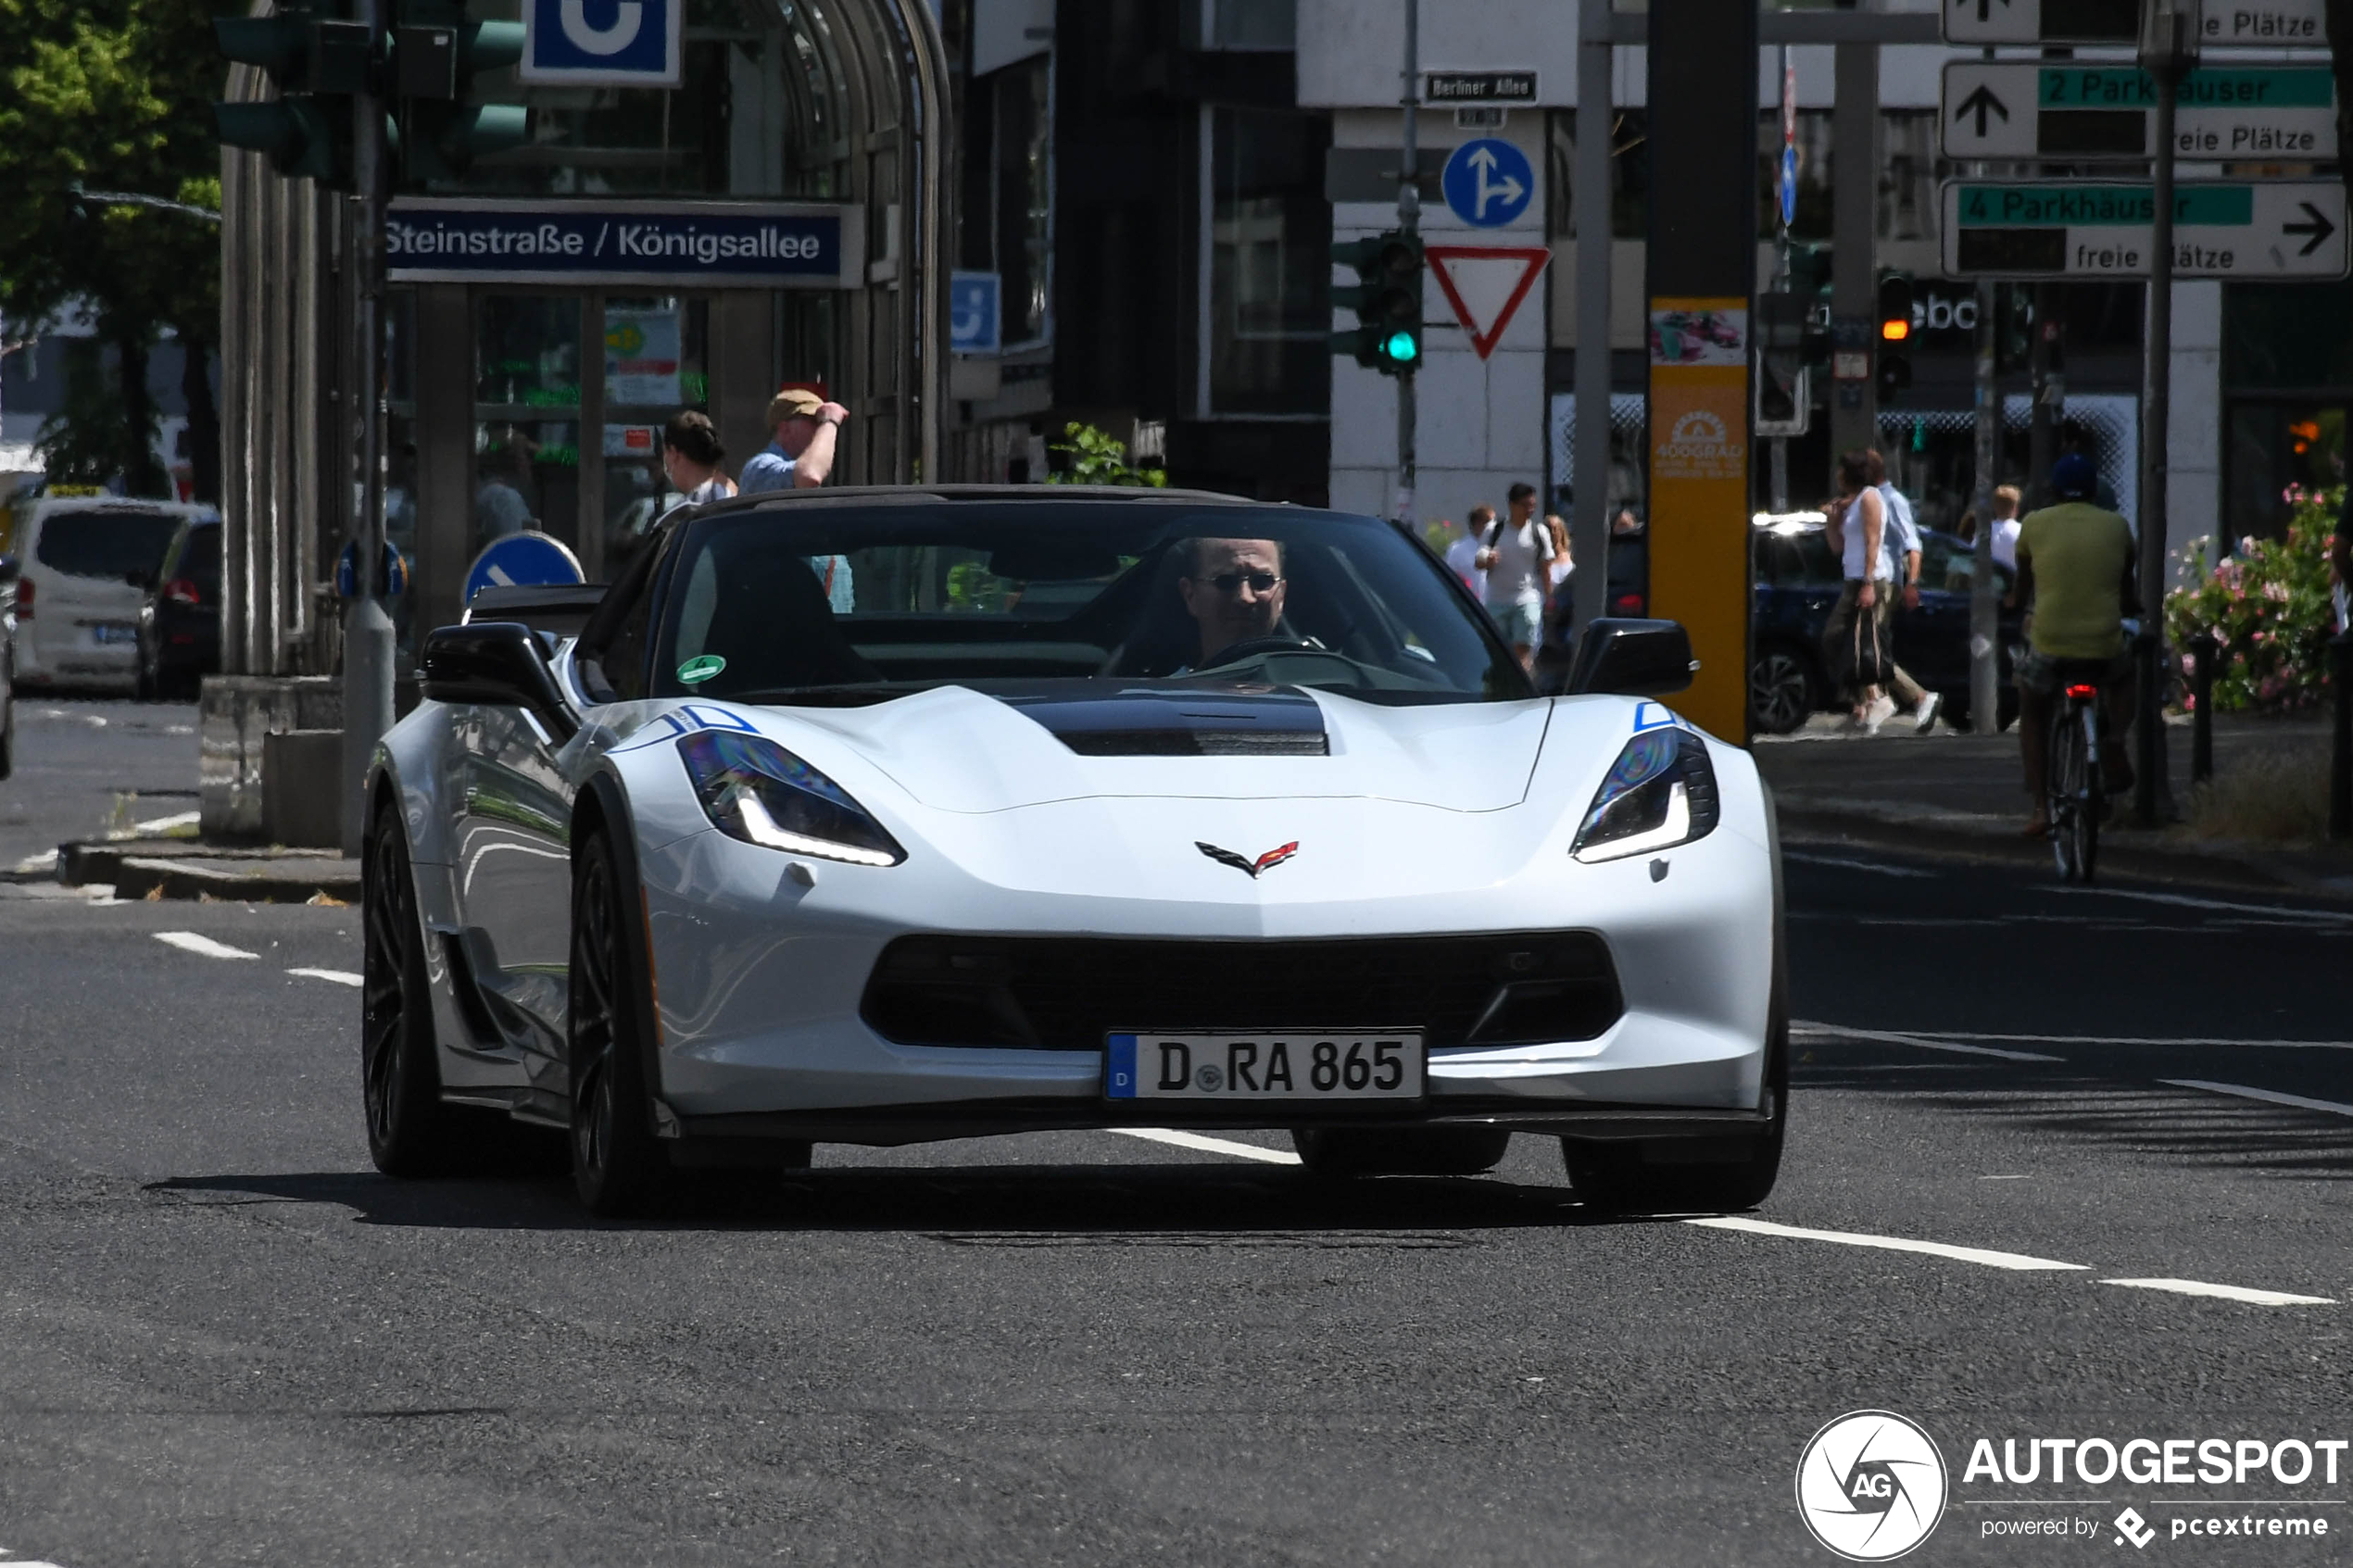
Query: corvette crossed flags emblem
x=1249, y=867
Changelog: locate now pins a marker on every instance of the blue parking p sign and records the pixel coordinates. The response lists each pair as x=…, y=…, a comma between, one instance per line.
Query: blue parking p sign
x=602, y=43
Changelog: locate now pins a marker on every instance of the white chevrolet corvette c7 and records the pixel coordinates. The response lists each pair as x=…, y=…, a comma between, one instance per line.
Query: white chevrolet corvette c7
x=889, y=816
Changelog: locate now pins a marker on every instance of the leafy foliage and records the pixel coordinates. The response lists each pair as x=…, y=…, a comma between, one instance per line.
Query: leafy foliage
x=1097, y=457
x=2268, y=604
x=111, y=96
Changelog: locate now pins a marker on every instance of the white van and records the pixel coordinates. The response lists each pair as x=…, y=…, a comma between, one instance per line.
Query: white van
x=87, y=563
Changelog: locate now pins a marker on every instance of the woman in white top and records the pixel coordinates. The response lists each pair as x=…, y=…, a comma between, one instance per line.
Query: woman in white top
x=1856, y=636
x=690, y=457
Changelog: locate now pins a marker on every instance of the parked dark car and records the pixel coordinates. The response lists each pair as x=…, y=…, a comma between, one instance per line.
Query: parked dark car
x=1797, y=585
x=180, y=623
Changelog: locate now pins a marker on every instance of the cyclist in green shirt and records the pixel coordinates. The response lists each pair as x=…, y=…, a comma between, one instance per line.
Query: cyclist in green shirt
x=2076, y=567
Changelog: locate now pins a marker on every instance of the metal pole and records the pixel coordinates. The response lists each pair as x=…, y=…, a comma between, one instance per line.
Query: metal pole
x=2341, y=738
x=1409, y=213
x=2048, y=391
x=1855, y=174
x=1780, y=483
x=1596, y=123
x=2168, y=44
x=1984, y=607
x=368, y=631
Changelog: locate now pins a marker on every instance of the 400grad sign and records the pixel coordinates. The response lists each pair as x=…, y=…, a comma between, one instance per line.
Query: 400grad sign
x=1699, y=522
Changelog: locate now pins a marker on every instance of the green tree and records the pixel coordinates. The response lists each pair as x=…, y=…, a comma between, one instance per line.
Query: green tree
x=116, y=95
x=1096, y=456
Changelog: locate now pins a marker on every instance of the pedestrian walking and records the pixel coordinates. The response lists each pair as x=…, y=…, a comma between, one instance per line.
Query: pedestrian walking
x=1903, y=546
x=1854, y=638
x=2007, y=499
x=1515, y=552
x=691, y=454
x=806, y=430
x=1462, y=555
x=500, y=473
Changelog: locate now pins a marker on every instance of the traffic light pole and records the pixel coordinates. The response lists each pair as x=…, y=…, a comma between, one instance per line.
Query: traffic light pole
x=1409, y=213
x=368, y=630
x=1984, y=600
x=2168, y=49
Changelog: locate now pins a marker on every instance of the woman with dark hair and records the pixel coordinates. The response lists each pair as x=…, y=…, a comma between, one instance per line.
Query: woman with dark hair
x=1855, y=639
x=691, y=455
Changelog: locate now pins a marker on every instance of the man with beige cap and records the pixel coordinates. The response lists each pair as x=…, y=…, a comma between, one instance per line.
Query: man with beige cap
x=801, y=456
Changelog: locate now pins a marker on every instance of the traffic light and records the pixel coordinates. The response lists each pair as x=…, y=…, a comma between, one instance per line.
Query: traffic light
x=436, y=54
x=1387, y=299
x=316, y=63
x=1784, y=389
x=1894, y=333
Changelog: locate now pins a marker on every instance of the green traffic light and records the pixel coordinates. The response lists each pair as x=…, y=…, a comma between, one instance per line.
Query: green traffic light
x=1399, y=348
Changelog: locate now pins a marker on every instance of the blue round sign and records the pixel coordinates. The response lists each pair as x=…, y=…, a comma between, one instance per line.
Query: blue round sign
x=396, y=572
x=1789, y=185
x=1488, y=183
x=515, y=560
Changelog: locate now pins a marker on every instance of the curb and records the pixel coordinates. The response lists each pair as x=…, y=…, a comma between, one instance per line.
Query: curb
x=165, y=869
x=2120, y=855
x=140, y=878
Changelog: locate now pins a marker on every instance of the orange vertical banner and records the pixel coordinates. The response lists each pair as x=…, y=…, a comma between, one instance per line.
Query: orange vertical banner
x=1699, y=499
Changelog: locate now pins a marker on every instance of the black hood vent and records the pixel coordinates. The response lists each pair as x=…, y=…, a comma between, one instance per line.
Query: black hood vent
x=1213, y=718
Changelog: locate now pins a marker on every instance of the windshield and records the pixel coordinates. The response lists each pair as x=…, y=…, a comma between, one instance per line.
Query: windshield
x=850, y=603
x=117, y=543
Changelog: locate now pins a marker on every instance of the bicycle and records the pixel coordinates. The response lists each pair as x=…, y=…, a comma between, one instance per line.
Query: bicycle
x=2072, y=779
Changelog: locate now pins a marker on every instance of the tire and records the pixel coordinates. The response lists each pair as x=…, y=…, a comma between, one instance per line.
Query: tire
x=410, y=1131
x=1699, y=1176
x=618, y=1166
x=2069, y=762
x=1399, y=1151
x=1781, y=691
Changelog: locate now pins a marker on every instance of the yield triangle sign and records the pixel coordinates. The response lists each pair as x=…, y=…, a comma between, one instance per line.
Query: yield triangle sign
x=1485, y=285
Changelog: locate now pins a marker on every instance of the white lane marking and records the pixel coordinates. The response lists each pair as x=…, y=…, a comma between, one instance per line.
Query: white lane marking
x=1207, y=1145
x=165, y=825
x=2135, y=1040
x=2226, y=1292
x=1801, y=1028
x=2269, y=1097
x=1844, y=864
x=205, y=946
x=1992, y=1260
x=2187, y=902
x=340, y=976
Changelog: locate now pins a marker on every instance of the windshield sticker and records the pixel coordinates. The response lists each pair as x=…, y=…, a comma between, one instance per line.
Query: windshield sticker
x=701, y=668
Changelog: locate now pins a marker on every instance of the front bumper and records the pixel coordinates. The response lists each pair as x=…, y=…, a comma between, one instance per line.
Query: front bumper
x=760, y=981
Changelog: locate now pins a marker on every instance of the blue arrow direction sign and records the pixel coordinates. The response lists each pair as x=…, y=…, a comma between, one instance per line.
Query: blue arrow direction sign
x=1789, y=186
x=974, y=319
x=517, y=558
x=1488, y=183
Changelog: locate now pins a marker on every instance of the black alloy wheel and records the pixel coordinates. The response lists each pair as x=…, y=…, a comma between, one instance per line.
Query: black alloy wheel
x=618, y=1166
x=1399, y=1151
x=410, y=1131
x=1781, y=692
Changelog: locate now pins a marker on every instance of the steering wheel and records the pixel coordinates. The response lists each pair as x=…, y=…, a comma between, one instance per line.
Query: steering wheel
x=1250, y=647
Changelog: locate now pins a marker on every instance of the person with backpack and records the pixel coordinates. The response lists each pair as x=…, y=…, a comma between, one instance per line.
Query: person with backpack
x=1516, y=555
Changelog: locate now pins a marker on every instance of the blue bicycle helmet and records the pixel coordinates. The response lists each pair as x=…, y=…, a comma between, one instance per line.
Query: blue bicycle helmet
x=2074, y=479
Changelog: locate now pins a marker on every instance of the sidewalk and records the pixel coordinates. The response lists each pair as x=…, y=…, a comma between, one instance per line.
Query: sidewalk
x=1948, y=793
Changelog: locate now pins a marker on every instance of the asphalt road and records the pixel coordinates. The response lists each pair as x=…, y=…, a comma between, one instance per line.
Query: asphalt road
x=223, y=1339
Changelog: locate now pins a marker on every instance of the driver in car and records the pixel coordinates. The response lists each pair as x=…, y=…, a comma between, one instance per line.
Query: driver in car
x=1234, y=588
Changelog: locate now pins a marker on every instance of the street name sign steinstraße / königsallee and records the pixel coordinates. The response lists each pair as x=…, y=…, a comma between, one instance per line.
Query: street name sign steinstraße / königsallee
x=2283, y=231
x=2083, y=112
x=2265, y=24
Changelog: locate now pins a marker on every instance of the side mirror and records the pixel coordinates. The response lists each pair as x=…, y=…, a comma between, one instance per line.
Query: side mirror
x=497, y=664
x=1626, y=657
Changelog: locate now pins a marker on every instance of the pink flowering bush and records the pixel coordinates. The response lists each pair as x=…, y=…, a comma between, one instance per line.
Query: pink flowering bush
x=2269, y=607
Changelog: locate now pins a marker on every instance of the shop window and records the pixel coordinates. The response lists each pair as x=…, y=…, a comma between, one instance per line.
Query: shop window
x=1008, y=193
x=2278, y=452
x=1270, y=262
x=526, y=415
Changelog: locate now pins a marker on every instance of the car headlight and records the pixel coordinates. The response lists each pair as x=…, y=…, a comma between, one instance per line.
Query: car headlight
x=755, y=790
x=1660, y=792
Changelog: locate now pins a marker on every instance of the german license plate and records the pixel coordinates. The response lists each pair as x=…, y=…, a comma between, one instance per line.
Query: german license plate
x=1340, y=1064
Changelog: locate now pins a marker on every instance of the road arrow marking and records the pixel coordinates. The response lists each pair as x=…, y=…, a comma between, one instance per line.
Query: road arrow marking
x=1981, y=103
x=2319, y=228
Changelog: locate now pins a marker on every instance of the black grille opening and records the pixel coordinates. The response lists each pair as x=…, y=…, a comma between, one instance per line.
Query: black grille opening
x=1067, y=993
x=1196, y=743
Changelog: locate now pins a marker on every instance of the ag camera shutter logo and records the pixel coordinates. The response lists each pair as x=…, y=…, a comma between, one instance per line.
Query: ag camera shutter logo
x=1871, y=1485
